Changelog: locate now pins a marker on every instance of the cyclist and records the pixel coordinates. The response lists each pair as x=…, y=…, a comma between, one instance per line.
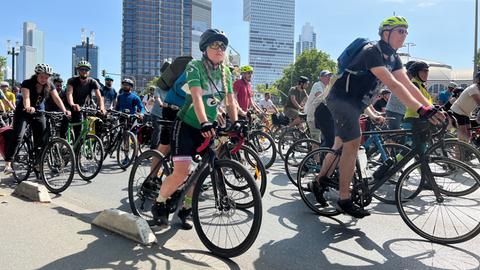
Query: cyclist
x=464, y=105
x=50, y=103
x=10, y=98
x=381, y=104
x=128, y=100
x=346, y=105
x=314, y=99
x=445, y=97
x=297, y=96
x=34, y=91
x=79, y=90
x=209, y=82
x=243, y=91
x=109, y=94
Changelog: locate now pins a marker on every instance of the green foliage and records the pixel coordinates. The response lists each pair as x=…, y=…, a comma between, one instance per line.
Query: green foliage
x=309, y=64
x=3, y=64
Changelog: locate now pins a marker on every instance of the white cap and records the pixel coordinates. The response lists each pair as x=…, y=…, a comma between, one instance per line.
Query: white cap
x=4, y=83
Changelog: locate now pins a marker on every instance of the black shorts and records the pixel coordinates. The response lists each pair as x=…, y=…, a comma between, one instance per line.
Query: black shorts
x=185, y=139
x=346, y=118
x=461, y=119
x=167, y=114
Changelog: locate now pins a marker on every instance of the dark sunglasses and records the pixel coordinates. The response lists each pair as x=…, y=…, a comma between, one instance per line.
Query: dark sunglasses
x=402, y=31
x=83, y=69
x=218, y=45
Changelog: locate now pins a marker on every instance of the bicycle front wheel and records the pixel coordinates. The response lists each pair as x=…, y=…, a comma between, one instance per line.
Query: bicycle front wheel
x=264, y=145
x=226, y=229
x=443, y=219
x=295, y=154
x=57, y=165
x=90, y=157
x=127, y=150
x=21, y=163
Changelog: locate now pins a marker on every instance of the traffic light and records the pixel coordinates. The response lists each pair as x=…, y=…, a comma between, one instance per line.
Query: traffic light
x=104, y=72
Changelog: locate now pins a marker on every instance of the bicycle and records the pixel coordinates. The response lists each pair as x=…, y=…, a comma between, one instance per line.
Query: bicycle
x=212, y=201
x=429, y=182
x=54, y=164
x=290, y=135
x=88, y=147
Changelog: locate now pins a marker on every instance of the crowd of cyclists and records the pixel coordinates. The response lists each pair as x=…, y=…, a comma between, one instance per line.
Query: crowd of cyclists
x=206, y=94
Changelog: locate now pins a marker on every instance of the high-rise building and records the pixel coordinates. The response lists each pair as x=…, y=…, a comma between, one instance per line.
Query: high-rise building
x=32, y=51
x=271, y=37
x=153, y=31
x=307, y=40
x=79, y=53
x=201, y=21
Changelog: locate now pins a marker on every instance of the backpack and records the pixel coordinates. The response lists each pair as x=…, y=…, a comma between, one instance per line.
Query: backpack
x=170, y=72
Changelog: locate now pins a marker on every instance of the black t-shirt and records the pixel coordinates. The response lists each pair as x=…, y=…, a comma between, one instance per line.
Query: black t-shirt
x=37, y=100
x=363, y=87
x=82, y=91
x=380, y=105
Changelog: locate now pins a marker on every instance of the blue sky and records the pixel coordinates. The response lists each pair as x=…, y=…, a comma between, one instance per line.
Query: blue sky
x=441, y=29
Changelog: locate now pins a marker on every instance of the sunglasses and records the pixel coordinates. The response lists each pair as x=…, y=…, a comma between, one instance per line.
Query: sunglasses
x=218, y=45
x=402, y=31
x=83, y=69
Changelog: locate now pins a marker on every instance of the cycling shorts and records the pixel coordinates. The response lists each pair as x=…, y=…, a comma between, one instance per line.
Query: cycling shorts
x=346, y=119
x=185, y=140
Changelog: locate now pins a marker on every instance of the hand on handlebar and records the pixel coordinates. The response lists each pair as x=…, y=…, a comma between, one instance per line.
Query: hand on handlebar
x=76, y=107
x=29, y=109
x=207, y=130
x=432, y=114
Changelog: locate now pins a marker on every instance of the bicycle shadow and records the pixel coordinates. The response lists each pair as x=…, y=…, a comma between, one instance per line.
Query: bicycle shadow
x=109, y=250
x=327, y=243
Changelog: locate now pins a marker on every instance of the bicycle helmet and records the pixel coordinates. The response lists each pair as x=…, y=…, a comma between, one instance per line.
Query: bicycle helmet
x=303, y=79
x=58, y=79
x=452, y=85
x=416, y=67
x=391, y=23
x=108, y=78
x=128, y=81
x=246, y=69
x=210, y=36
x=43, y=68
x=85, y=64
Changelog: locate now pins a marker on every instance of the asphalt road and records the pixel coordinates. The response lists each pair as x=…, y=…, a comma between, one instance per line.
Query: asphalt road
x=58, y=235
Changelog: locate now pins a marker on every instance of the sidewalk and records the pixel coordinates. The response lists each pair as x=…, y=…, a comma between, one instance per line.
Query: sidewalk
x=49, y=236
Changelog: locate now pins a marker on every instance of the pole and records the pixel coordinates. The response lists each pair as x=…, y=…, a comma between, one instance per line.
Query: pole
x=88, y=45
x=475, y=55
x=13, y=67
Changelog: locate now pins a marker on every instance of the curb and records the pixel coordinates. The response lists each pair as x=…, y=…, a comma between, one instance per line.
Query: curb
x=126, y=224
x=33, y=191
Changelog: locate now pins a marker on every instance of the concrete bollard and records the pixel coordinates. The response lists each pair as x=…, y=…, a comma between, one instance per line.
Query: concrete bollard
x=126, y=224
x=32, y=191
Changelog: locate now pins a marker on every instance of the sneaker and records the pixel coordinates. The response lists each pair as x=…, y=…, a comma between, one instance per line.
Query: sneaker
x=160, y=215
x=183, y=215
x=8, y=170
x=349, y=208
x=125, y=161
x=318, y=191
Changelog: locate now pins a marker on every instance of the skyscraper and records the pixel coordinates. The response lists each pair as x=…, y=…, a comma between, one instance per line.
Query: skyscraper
x=201, y=21
x=31, y=52
x=154, y=30
x=271, y=37
x=79, y=53
x=307, y=40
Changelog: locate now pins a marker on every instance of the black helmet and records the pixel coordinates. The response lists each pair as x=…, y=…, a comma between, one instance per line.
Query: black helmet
x=303, y=79
x=416, y=67
x=58, y=79
x=210, y=36
x=408, y=64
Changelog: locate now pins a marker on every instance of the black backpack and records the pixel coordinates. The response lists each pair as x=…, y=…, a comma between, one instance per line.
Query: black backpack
x=170, y=72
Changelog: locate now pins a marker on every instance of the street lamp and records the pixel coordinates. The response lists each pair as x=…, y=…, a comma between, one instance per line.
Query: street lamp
x=13, y=50
x=408, y=45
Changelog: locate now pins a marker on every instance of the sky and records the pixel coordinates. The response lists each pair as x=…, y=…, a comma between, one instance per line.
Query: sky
x=442, y=30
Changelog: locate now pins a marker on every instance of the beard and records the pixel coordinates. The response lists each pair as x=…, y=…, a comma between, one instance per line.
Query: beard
x=83, y=76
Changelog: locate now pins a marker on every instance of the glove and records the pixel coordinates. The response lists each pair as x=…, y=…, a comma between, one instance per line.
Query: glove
x=427, y=112
x=206, y=127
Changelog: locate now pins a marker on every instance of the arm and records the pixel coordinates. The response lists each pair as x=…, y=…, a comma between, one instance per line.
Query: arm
x=401, y=76
x=9, y=104
x=140, y=106
x=196, y=93
x=255, y=105
x=101, y=104
x=56, y=98
x=293, y=99
x=231, y=107
x=26, y=100
x=70, y=101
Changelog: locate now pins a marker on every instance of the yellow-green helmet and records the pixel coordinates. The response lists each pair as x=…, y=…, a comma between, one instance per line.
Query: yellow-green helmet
x=246, y=69
x=391, y=23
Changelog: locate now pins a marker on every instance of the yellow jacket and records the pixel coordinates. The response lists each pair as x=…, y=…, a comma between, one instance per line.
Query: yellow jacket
x=409, y=113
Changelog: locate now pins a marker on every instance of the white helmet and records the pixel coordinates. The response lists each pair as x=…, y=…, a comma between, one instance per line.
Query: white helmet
x=43, y=68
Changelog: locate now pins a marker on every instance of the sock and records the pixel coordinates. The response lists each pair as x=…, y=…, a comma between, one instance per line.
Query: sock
x=161, y=199
x=187, y=203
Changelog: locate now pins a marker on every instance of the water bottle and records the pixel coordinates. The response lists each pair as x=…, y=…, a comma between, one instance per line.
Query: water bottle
x=362, y=160
x=382, y=169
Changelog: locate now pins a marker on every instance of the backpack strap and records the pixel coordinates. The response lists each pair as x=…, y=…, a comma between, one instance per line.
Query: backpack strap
x=360, y=72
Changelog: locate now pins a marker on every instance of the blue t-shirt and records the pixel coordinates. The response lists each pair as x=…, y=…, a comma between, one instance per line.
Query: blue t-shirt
x=129, y=101
x=176, y=95
x=444, y=96
x=109, y=95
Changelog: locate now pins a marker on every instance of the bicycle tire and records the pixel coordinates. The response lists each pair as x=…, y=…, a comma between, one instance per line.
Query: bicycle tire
x=125, y=161
x=89, y=142
x=63, y=157
x=21, y=163
x=313, y=162
x=264, y=145
x=287, y=139
x=292, y=161
x=422, y=201
x=200, y=195
x=143, y=190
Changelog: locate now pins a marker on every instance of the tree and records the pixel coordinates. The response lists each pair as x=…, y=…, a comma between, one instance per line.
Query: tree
x=309, y=64
x=3, y=65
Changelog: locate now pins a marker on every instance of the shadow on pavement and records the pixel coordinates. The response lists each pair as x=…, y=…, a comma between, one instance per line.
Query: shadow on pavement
x=317, y=244
x=113, y=251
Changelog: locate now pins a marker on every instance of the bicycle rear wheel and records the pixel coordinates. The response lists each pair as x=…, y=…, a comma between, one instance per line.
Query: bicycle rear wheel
x=89, y=157
x=21, y=163
x=57, y=165
x=447, y=219
x=223, y=227
x=263, y=144
x=295, y=154
x=127, y=150
x=287, y=139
